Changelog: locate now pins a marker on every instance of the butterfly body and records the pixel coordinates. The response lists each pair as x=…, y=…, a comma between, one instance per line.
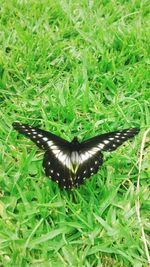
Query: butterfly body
x=70, y=163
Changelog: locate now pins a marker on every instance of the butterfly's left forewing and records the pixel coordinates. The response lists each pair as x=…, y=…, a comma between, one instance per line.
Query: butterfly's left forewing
x=41, y=138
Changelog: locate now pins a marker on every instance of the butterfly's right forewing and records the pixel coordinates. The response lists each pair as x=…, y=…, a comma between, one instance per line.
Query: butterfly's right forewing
x=109, y=141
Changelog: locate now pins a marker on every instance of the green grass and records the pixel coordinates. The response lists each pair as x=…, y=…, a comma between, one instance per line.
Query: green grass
x=73, y=68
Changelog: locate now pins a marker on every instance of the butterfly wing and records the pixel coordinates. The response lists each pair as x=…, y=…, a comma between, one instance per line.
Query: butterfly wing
x=57, y=161
x=59, y=171
x=90, y=151
x=41, y=138
x=108, y=141
x=88, y=166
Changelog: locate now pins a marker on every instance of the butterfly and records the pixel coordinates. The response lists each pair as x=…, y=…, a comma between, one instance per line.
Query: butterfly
x=70, y=163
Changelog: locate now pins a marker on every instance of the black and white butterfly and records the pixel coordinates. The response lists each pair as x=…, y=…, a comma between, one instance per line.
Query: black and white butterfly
x=70, y=163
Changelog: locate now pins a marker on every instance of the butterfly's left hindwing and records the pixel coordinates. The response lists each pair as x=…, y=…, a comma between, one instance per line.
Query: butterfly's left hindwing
x=57, y=170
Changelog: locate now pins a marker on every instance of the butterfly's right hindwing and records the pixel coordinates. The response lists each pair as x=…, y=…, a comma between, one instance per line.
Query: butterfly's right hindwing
x=88, y=167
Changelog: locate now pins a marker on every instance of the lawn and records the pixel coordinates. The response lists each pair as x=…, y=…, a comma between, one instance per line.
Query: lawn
x=74, y=68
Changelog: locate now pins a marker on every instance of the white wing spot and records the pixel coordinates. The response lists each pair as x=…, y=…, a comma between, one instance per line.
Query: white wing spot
x=56, y=152
x=84, y=178
x=114, y=145
x=93, y=150
x=64, y=180
x=68, y=162
x=38, y=141
x=83, y=157
x=101, y=146
x=45, y=139
x=52, y=171
x=57, y=181
x=49, y=163
x=50, y=143
x=96, y=161
x=34, y=136
x=23, y=126
x=91, y=169
x=39, y=135
x=84, y=172
x=75, y=157
x=92, y=173
x=60, y=156
x=58, y=174
x=106, y=142
x=64, y=157
x=111, y=138
x=87, y=155
x=53, y=147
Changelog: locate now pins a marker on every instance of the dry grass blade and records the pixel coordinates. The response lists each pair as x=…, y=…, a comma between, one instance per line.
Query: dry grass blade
x=138, y=200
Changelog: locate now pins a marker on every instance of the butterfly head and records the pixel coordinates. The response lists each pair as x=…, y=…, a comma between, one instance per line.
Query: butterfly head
x=75, y=141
